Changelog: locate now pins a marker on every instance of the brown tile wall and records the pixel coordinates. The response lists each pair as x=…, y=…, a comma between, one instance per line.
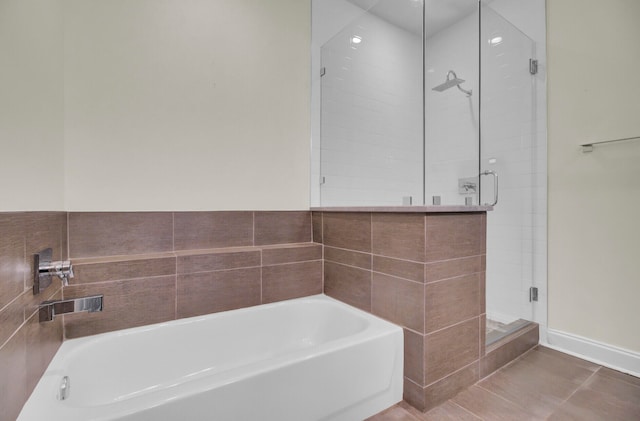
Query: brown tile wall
x=26, y=346
x=150, y=267
x=424, y=272
x=158, y=266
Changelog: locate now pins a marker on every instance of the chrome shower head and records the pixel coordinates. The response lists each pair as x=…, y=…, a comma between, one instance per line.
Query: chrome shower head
x=451, y=81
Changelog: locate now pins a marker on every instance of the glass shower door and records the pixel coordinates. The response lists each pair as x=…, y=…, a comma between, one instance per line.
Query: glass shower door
x=508, y=149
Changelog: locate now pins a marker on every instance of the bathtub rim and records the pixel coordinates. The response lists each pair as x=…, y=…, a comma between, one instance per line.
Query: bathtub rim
x=375, y=329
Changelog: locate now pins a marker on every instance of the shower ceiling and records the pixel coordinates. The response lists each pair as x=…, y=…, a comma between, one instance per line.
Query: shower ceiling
x=407, y=13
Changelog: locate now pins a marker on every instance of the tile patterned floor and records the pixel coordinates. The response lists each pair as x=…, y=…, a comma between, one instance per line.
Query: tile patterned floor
x=543, y=384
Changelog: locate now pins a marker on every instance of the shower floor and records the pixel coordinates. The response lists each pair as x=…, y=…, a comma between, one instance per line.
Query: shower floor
x=496, y=330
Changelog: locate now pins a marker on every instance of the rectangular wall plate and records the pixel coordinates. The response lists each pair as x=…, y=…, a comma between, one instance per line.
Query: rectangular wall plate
x=41, y=281
x=468, y=185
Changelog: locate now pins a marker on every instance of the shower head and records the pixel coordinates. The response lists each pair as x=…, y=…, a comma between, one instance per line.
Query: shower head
x=451, y=81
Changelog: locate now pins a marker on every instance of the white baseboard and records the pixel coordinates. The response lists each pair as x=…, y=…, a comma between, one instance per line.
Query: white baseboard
x=597, y=352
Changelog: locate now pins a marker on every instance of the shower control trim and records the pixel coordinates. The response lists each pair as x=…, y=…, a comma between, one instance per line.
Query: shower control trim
x=468, y=185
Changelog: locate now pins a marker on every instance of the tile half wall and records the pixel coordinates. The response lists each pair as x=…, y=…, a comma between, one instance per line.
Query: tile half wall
x=425, y=272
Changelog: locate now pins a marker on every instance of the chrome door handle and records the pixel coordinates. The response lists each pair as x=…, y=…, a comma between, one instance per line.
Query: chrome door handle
x=495, y=186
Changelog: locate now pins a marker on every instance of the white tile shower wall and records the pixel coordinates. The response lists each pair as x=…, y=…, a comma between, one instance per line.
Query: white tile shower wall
x=371, y=120
x=451, y=117
x=328, y=18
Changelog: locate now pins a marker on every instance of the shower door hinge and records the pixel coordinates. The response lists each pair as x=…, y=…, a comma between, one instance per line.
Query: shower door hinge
x=533, y=66
x=533, y=294
x=323, y=70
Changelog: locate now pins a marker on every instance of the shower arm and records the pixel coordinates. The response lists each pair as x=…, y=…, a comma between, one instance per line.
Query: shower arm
x=468, y=93
x=455, y=76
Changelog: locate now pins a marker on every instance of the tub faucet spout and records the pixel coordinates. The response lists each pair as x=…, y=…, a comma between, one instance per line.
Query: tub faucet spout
x=49, y=309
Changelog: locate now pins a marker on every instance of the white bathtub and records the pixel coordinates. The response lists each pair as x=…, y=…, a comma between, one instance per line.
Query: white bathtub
x=311, y=358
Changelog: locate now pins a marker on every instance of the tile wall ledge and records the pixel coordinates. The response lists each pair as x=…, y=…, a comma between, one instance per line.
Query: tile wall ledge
x=184, y=253
x=405, y=209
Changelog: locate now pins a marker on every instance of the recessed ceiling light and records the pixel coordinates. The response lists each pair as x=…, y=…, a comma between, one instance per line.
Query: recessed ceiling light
x=356, y=39
x=495, y=40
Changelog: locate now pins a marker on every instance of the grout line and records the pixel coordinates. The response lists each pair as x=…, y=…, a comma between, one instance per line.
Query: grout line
x=452, y=325
x=413, y=331
x=90, y=260
x=261, y=288
x=202, y=271
x=424, y=240
x=371, y=262
x=453, y=277
x=483, y=332
x=407, y=260
x=465, y=409
x=398, y=277
x=424, y=328
x=322, y=269
x=19, y=296
x=26, y=317
x=15, y=332
x=500, y=396
x=175, y=272
x=286, y=263
x=576, y=390
x=24, y=254
x=68, y=242
x=261, y=281
x=408, y=379
x=349, y=266
x=323, y=246
x=452, y=373
x=125, y=280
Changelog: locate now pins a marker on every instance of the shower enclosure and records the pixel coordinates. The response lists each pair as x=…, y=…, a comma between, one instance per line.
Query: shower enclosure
x=420, y=102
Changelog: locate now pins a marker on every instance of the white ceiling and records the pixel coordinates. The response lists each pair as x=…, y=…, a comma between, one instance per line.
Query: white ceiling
x=407, y=14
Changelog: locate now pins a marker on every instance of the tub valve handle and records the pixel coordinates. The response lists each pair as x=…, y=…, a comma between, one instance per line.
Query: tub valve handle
x=44, y=269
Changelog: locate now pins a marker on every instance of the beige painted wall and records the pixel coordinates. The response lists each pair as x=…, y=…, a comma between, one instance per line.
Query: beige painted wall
x=187, y=105
x=594, y=198
x=31, y=100
x=168, y=105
